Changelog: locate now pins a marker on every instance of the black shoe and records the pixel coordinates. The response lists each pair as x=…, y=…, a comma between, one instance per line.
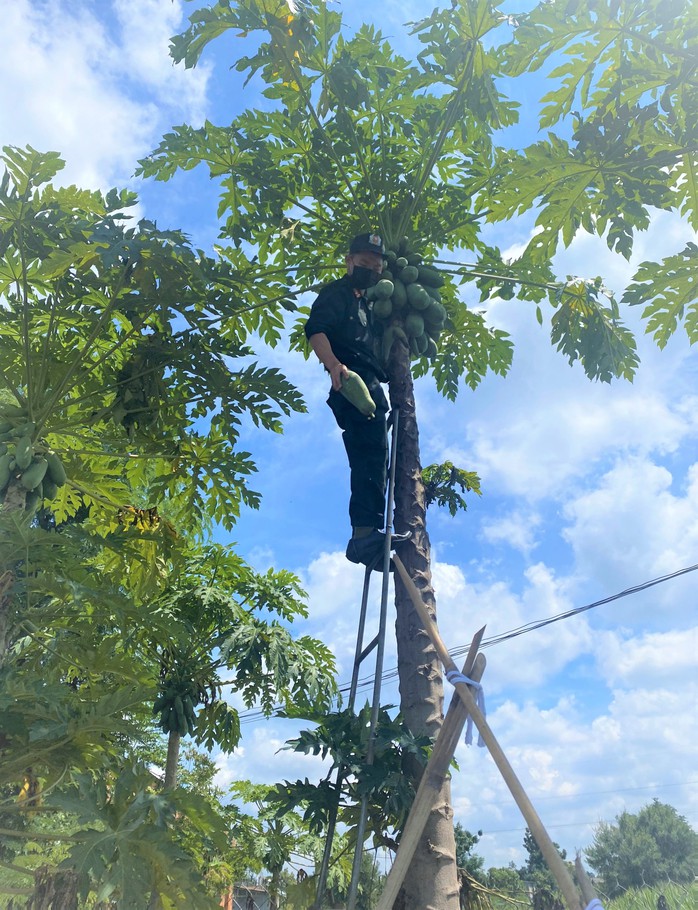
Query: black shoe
x=366, y=549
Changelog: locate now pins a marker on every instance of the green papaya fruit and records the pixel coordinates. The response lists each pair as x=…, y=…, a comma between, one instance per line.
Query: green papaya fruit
x=382, y=308
x=417, y=297
x=188, y=707
x=414, y=258
x=24, y=452
x=179, y=711
x=355, y=390
x=32, y=500
x=34, y=474
x=399, y=297
x=422, y=343
x=24, y=428
x=13, y=410
x=434, y=293
x=409, y=274
x=50, y=489
x=404, y=246
x=5, y=428
x=401, y=262
x=384, y=288
x=390, y=256
x=435, y=314
x=414, y=325
x=5, y=470
x=56, y=471
x=431, y=276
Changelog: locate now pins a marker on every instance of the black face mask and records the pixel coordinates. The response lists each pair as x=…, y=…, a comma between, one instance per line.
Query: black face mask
x=362, y=277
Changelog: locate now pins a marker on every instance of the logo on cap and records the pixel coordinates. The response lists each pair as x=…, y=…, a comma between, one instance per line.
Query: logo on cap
x=375, y=240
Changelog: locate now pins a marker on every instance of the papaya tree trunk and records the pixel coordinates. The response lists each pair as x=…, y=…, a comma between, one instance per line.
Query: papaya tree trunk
x=14, y=501
x=172, y=763
x=432, y=880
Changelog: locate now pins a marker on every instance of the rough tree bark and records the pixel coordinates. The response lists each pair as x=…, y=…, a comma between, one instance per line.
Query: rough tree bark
x=432, y=880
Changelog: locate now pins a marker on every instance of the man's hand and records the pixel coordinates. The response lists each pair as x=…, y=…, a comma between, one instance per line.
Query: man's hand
x=337, y=372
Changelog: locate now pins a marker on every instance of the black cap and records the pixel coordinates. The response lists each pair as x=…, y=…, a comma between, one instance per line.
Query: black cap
x=367, y=243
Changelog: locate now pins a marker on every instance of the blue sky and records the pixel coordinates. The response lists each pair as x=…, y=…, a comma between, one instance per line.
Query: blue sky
x=588, y=489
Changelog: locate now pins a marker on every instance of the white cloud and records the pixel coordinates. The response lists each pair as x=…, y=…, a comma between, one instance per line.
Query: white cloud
x=658, y=659
x=528, y=660
x=264, y=760
x=578, y=772
x=101, y=97
x=638, y=523
x=515, y=529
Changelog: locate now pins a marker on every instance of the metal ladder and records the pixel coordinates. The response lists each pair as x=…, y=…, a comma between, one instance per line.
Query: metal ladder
x=360, y=654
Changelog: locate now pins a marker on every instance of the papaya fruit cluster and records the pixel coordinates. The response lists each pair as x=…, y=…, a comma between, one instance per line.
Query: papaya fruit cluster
x=176, y=707
x=40, y=474
x=407, y=301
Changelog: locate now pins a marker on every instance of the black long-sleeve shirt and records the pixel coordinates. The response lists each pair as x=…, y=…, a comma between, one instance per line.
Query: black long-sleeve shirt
x=347, y=319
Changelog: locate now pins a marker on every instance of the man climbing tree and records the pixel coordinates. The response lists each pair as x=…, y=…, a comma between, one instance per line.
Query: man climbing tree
x=341, y=331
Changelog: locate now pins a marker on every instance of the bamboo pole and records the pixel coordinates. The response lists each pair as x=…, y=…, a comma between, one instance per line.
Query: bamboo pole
x=431, y=782
x=585, y=884
x=547, y=848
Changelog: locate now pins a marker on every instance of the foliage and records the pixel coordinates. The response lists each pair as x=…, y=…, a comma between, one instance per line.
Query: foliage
x=442, y=483
x=506, y=888
x=353, y=135
x=119, y=356
x=465, y=858
x=655, y=845
x=343, y=736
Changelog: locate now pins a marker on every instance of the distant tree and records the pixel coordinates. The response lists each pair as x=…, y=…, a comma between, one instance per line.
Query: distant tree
x=536, y=865
x=655, y=845
x=505, y=887
x=537, y=875
x=465, y=858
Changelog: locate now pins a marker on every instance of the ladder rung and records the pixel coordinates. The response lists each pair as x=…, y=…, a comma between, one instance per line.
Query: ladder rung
x=367, y=650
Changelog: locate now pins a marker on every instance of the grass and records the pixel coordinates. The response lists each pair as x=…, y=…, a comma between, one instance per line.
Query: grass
x=678, y=897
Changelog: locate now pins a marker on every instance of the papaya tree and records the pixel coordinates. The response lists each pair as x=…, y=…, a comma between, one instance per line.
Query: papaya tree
x=217, y=628
x=354, y=136
x=121, y=401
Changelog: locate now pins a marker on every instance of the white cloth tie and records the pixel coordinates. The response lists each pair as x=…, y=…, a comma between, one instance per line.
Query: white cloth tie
x=454, y=676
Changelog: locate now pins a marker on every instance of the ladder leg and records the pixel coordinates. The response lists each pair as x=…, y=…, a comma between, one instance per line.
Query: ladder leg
x=332, y=818
x=375, y=705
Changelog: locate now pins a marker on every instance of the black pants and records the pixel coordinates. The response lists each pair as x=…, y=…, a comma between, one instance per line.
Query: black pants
x=366, y=442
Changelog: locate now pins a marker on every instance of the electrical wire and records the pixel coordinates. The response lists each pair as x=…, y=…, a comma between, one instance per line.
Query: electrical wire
x=253, y=715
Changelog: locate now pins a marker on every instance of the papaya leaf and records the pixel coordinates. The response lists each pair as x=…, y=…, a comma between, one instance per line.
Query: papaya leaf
x=669, y=293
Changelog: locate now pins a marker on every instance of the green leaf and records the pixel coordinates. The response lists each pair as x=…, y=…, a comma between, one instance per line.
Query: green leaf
x=584, y=329
x=668, y=290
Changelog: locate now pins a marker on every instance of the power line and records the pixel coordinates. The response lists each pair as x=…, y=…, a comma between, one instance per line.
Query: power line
x=614, y=790
x=252, y=715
